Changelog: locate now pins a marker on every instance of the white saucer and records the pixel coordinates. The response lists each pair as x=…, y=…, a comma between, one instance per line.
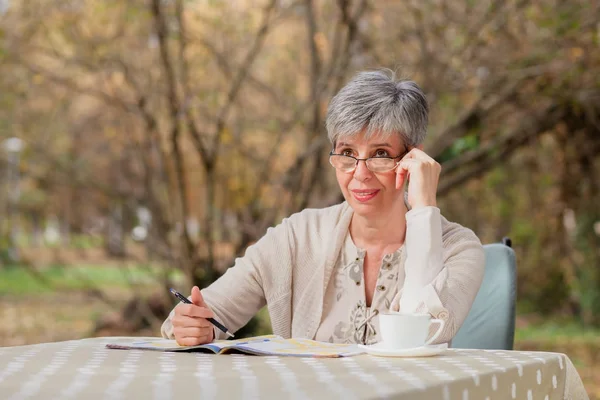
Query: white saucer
x=378, y=349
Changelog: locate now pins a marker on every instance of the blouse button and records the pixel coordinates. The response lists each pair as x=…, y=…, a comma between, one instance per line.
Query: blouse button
x=381, y=288
x=387, y=266
x=375, y=311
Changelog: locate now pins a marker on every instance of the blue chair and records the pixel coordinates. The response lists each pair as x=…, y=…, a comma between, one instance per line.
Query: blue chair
x=490, y=323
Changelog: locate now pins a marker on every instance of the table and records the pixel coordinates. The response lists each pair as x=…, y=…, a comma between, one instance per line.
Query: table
x=87, y=369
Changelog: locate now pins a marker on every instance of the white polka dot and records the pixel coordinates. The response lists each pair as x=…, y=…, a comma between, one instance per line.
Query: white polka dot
x=446, y=393
x=560, y=362
x=546, y=398
x=554, y=383
x=514, y=390
x=539, y=377
x=465, y=394
x=520, y=370
x=494, y=383
x=487, y=397
x=529, y=395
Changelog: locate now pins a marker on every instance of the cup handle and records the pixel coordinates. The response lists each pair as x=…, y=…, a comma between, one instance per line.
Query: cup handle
x=439, y=331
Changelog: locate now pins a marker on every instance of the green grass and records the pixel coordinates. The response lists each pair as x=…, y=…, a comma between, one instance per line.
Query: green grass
x=18, y=280
x=580, y=344
x=558, y=331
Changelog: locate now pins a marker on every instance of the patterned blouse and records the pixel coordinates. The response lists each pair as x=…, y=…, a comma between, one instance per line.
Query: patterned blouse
x=346, y=317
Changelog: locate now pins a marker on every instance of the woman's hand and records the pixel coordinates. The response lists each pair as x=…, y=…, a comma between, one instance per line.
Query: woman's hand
x=423, y=173
x=190, y=326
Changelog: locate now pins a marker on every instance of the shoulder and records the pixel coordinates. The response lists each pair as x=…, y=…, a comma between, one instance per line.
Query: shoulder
x=319, y=218
x=457, y=239
x=306, y=227
x=453, y=231
x=313, y=229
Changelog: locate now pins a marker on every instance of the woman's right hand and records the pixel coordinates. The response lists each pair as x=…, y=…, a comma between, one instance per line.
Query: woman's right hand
x=190, y=325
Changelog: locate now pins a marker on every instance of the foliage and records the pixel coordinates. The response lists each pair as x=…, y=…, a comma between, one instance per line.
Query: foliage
x=26, y=281
x=210, y=116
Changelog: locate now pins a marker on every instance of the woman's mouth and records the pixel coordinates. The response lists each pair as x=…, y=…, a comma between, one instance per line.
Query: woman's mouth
x=364, y=195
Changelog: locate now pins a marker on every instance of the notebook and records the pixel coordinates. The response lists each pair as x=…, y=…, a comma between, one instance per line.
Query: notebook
x=267, y=345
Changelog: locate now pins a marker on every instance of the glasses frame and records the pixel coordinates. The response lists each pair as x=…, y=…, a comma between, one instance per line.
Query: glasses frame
x=331, y=153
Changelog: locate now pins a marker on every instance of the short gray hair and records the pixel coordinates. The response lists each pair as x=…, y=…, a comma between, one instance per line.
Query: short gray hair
x=377, y=103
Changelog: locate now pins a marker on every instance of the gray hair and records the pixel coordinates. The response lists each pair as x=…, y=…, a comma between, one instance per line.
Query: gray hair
x=378, y=104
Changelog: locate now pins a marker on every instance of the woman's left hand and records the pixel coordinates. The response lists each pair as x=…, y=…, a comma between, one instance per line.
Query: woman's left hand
x=423, y=173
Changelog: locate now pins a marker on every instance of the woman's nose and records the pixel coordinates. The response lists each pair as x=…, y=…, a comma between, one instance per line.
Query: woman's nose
x=362, y=173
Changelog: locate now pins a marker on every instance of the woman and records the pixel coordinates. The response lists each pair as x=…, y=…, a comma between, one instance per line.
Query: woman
x=325, y=274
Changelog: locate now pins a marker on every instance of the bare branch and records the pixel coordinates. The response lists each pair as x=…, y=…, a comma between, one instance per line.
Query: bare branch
x=241, y=75
x=315, y=63
x=227, y=69
x=477, y=162
x=197, y=135
x=71, y=85
x=174, y=106
x=487, y=102
x=352, y=35
x=316, y=128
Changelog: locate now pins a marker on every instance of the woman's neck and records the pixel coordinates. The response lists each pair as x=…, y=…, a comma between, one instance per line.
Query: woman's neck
x=385, y=232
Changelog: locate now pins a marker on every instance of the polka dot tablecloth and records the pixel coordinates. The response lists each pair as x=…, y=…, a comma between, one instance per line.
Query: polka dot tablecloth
x=86, y=369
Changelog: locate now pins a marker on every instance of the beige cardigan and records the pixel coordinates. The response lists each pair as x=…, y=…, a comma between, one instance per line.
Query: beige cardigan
x=289, y=268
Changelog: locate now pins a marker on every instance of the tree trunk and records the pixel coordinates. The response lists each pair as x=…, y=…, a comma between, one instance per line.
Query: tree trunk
x=115, y=238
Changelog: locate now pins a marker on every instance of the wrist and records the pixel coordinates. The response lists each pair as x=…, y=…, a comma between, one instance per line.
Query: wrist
x=417, y=215
x=423, y=204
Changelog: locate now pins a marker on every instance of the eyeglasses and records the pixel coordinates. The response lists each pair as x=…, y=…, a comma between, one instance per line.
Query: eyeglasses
x=374, y=164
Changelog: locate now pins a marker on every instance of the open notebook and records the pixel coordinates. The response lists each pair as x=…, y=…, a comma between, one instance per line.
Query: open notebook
x=258, y=345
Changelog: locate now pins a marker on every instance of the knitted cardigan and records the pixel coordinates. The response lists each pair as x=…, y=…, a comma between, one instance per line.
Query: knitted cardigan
x=289, y=269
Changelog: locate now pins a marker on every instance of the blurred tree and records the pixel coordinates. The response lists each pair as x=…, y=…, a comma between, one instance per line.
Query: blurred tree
x=210, y=116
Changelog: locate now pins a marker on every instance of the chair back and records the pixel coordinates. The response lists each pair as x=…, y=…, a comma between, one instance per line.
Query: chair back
x=490, y=323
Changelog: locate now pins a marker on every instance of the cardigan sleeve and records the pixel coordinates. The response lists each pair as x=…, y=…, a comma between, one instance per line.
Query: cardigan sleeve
x=246, y=287
x=443, y=269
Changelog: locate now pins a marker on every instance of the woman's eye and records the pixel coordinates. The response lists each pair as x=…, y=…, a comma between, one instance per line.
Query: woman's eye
x=381, y=153
x=346, y=152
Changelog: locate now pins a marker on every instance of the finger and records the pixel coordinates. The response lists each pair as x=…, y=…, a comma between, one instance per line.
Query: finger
x=406, y=166
x=416, y=165
x=401, y=175
x=411, y=154
x=184, y=321
x=404, y=169
x=192, y=331
x=419, y=155
x=411, y=165
x=192, y=310
x=192, y=341
x=197, y=298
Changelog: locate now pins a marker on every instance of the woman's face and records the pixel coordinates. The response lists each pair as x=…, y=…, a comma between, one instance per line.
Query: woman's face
x=368, y=192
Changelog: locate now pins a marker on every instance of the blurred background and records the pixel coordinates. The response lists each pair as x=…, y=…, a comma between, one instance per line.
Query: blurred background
x=146, y=143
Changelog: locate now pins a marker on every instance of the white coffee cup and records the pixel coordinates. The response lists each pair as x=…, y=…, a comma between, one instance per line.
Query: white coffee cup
x=404, y=331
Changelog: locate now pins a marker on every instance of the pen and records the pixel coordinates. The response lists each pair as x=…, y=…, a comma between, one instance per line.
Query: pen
x=216, y=323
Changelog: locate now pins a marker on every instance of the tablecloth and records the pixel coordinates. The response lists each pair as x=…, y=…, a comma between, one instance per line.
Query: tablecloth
x=87, y=369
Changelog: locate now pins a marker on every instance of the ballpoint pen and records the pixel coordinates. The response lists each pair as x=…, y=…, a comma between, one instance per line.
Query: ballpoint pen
x=216, y=323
